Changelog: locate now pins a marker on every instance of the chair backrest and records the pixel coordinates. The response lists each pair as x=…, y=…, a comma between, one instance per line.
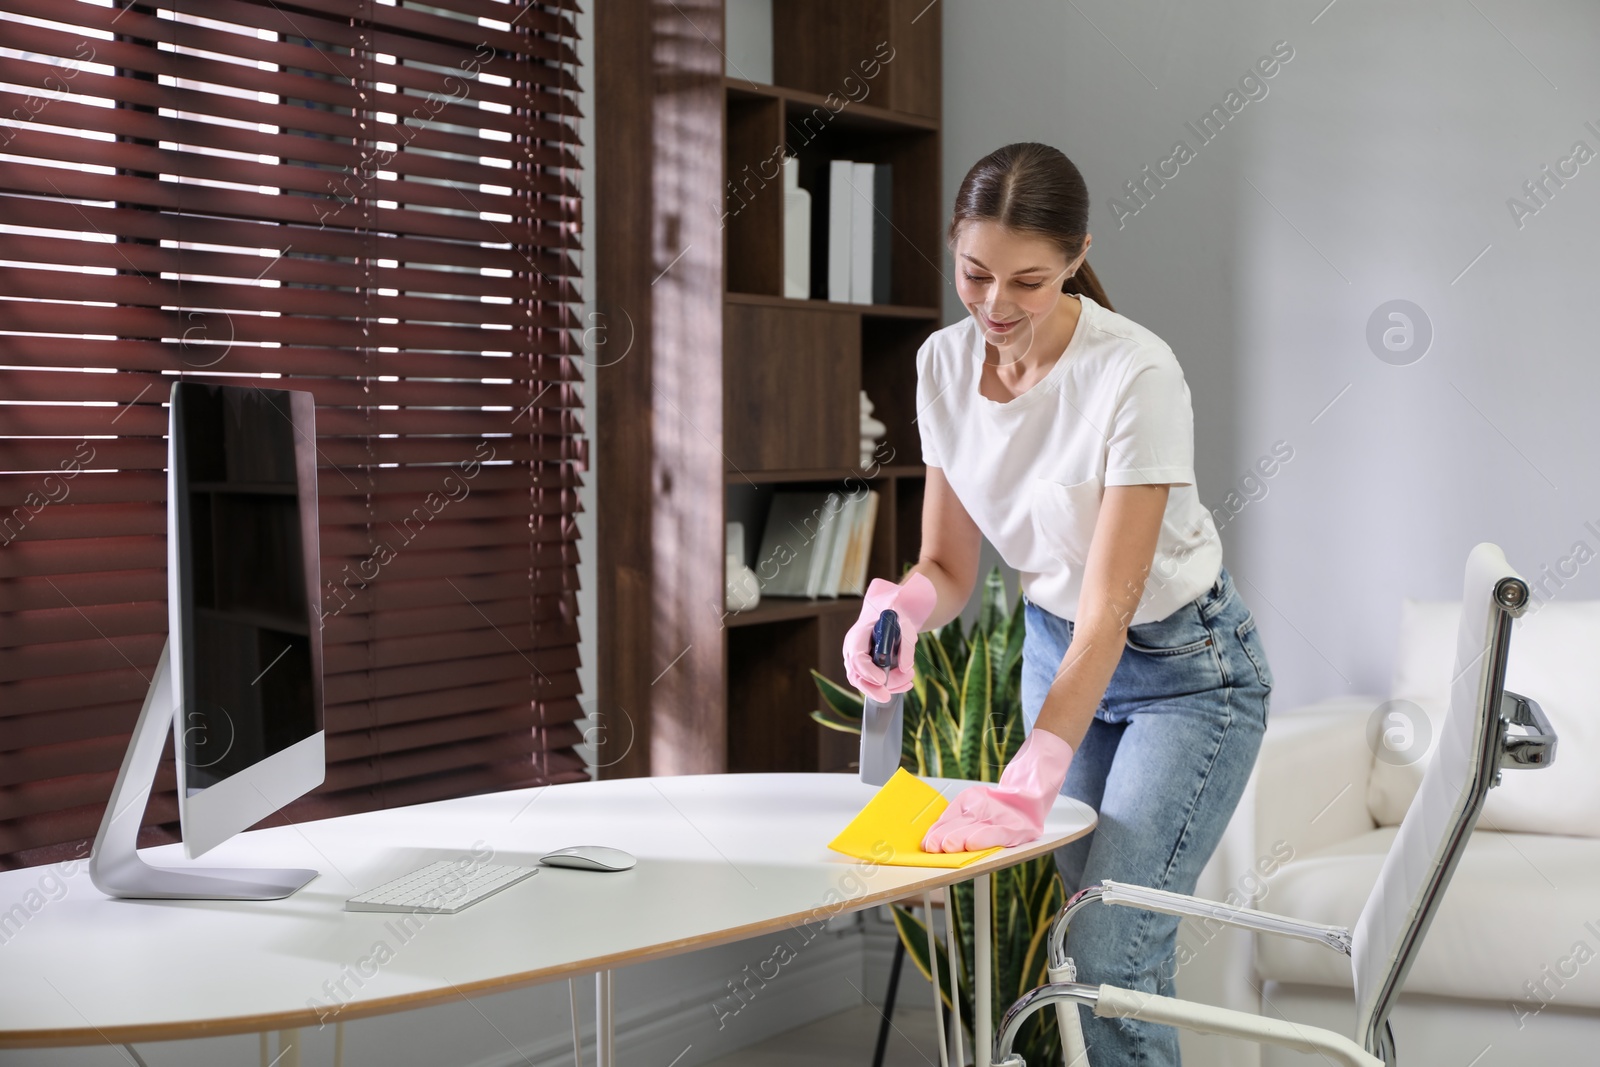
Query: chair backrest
x=1465, y=765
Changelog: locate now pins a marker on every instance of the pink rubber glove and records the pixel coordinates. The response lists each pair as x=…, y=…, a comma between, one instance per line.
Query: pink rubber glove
x=1012, y=812
x=913, y=602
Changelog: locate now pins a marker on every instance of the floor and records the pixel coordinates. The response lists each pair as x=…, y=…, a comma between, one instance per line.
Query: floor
x=846, y=1040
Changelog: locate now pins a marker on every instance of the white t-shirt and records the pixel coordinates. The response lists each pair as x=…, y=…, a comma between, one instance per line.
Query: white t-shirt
x=1114, y=410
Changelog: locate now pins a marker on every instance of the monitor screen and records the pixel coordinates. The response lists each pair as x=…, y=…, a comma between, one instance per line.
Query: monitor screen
x=250, y=659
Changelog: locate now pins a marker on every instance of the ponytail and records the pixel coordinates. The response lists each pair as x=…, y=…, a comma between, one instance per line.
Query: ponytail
x=1084, y=283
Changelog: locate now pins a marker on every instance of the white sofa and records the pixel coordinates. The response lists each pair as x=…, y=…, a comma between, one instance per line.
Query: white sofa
x=1509, y=973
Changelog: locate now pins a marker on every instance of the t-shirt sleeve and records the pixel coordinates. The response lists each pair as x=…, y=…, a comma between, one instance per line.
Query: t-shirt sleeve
x=928, y=391
x=1151, y=441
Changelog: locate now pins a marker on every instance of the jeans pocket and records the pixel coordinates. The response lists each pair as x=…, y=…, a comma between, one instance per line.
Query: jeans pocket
x=1251, y=640
x=1180, y=634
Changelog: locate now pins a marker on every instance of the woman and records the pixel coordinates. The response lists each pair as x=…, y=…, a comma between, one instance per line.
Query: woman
x=1063, y=433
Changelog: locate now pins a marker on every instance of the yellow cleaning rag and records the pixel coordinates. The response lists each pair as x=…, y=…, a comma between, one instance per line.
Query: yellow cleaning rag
x=896, y=819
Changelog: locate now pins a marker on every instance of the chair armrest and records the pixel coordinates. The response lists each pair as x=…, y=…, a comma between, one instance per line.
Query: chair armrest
x=1267, y=922
x=1312, y=774
x=1537, y=747
x=1114, y=1003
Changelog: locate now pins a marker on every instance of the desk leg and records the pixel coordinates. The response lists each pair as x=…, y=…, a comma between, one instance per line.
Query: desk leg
x=605, y=1054
x=288, y=1049
x=983, y=980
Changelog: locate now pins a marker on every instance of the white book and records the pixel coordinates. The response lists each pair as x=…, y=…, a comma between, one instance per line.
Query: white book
x=862, y=219
x=826, y=525
x=855, y=579
x=841, y=207
x=853, y=547
x=844, y=521
x=796, y=233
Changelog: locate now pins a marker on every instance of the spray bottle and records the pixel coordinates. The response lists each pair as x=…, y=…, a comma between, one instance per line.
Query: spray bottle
x=882, y=725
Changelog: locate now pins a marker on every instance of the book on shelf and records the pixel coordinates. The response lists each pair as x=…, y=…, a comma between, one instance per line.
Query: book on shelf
x=861, y=222
x=851, y=233
x=839, y=221
x=816, y=544
x=788, y=544
x=853, y=582
x=882, y=230
x=844, y=523
x=818, y=582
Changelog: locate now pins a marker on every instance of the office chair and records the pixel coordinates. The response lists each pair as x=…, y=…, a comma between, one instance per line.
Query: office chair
x=1475, y=745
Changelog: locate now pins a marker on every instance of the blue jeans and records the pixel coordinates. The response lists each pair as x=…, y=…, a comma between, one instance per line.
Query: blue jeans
x=1164, y=763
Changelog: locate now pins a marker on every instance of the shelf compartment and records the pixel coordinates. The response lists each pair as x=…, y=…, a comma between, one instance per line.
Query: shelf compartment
x=854, y=116
x=889, y=375
x=752, y=195
x=771, y=695
x=915, y=208
x=791, y=384
x=886, y=52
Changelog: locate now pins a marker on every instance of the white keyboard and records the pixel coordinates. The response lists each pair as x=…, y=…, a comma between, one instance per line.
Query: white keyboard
x=443, y=887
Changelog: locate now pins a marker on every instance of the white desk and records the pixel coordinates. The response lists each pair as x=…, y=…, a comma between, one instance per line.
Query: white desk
x=721, y=858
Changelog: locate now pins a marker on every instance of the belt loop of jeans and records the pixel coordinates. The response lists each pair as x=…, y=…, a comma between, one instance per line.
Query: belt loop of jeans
x=1214, y=599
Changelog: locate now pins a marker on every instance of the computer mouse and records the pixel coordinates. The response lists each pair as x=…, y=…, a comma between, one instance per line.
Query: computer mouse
x=589, y=858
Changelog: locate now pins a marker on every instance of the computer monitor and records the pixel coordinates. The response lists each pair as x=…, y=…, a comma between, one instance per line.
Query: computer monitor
x=240, y=678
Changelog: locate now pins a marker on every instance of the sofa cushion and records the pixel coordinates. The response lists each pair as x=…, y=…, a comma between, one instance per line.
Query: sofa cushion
x=1520, y=920
x=1555, y=660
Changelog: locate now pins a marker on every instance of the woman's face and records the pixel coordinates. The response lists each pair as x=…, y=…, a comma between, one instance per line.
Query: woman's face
x=1010, y=282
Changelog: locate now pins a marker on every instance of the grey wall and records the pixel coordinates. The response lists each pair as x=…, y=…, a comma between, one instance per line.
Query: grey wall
x=1377, y=166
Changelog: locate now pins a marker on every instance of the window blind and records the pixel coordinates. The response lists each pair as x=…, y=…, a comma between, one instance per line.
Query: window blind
x=372, y=201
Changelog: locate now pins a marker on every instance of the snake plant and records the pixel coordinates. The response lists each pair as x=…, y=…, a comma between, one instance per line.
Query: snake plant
x=963, y=719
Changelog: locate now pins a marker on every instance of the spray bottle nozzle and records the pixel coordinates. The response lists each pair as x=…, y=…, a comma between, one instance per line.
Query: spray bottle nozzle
x=886, y=641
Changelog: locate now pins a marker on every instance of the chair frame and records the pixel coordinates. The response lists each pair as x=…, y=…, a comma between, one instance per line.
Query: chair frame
x=1499, y=750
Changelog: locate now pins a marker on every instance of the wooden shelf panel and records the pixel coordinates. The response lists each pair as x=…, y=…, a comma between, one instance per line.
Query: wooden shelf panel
x=879, y=311
x=786, y=609
x=791, y=388
x=852, y=116
x=820, y=474
x=882, y=50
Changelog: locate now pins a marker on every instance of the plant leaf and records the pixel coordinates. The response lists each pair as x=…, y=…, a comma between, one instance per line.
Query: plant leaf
x=844, y=703
x=949, y=739
x=992, y=608
x=835, y=724
x=953, y=644
x=977, y=691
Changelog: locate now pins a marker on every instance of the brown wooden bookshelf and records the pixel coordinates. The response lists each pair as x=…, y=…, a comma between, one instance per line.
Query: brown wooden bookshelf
x=876, y=311
x=825, y=474
x=785, y=609
x=732, y=391
x=856, y=116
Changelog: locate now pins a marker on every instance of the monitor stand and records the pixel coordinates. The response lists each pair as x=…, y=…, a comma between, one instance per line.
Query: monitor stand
x=115, y=865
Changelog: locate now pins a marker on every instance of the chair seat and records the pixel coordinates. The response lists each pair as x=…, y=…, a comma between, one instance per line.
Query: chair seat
x=1519, y=909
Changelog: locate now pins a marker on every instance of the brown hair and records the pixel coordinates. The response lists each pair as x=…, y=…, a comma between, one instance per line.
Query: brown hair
x=1032, y=188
